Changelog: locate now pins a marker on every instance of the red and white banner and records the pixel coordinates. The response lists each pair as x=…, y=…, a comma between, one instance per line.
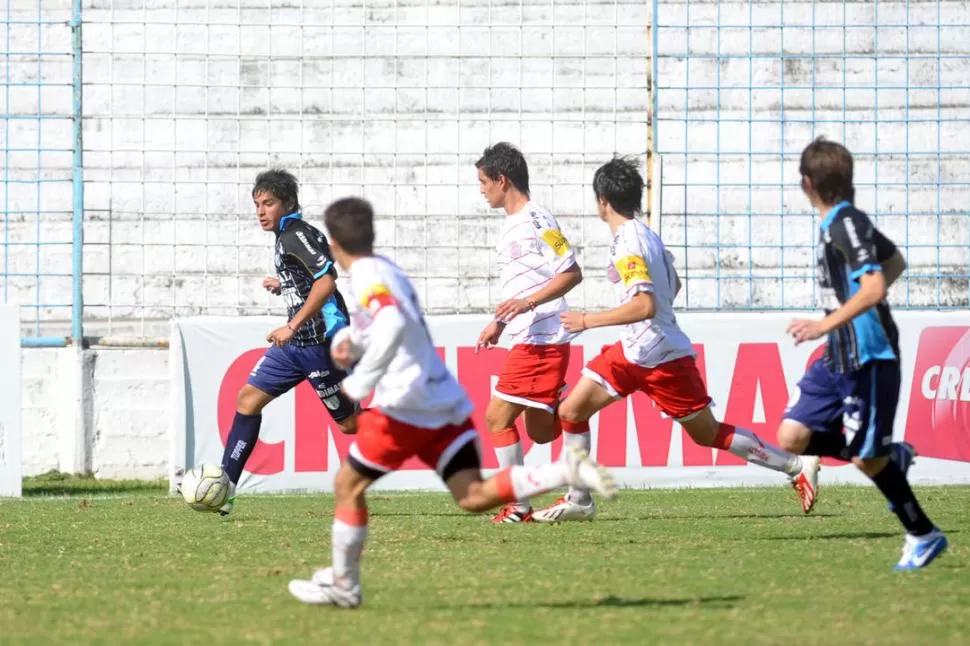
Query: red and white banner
x=750, y=367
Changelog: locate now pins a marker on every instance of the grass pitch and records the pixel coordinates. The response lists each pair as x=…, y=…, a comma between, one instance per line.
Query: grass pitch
x=123, y=563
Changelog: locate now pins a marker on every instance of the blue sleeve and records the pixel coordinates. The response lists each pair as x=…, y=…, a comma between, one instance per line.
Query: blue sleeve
x=854, y=236
x=310, y=248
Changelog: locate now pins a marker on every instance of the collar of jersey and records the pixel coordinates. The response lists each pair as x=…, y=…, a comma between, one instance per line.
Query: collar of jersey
x=296, y=215
x=827, y=220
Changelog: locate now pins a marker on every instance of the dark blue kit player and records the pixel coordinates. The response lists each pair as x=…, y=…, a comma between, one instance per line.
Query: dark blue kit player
x=845, y=404
x=306, y=278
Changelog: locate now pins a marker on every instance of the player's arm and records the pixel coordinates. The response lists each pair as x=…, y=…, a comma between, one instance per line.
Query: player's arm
x=555, y=248
x=639, y=308
x=559, y=286
x=855, y=236
x=384, y=337
x=636, y=279
x=316, y=261
x=892, y=260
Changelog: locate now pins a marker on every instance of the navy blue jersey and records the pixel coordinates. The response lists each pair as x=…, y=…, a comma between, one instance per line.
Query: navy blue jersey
x=302, y=258
x=849, y=247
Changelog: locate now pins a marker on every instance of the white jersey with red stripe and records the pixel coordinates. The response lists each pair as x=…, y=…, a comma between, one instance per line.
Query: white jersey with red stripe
x=532, y=250
x=399, y=362
x=639, y=262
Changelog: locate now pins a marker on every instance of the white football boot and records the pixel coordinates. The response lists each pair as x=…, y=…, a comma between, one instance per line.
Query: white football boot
x=323, y=590
x=564, y=510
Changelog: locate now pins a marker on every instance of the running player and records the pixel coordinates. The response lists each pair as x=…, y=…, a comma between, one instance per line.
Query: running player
x=537, y=267
x=301, y=349
x=845, y=404
x=418, y=409
x=654, y=355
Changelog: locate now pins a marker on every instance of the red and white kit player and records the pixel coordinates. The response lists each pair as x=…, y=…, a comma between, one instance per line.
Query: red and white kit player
x=654, y=356
x=537, y=267
x=418, y=409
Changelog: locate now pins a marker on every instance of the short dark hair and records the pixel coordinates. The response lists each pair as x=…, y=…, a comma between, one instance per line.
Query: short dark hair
x=350, y=222
x=829, y=167
x=619, y=182
x=282, y=184
x=505, y=159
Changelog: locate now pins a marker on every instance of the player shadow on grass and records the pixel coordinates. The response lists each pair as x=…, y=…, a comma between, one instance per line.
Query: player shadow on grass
x=702, y=516
x=838, y=536
x=720, y=602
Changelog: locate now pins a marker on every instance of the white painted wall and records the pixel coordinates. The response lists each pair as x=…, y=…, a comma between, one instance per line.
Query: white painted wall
x=186, y=103
x=183, y=110
x=126, y=411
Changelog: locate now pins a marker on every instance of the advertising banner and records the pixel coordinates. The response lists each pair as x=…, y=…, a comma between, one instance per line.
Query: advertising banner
x=749, y=365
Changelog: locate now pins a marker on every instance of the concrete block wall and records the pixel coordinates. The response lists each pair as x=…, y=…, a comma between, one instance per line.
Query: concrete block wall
x=186, y=103
x=740, y=96
x=106, y=411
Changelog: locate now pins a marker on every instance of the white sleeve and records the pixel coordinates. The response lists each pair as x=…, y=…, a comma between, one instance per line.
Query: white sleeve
x=385, y=333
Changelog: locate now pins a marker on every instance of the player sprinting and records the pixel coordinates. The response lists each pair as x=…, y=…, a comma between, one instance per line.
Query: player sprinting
x=654, y=356
x=855, y=385
x=537, y=267
x=418, y=409
x=301, y=349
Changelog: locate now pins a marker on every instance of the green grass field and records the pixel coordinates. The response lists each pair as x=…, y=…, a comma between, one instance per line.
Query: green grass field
x=85, y=562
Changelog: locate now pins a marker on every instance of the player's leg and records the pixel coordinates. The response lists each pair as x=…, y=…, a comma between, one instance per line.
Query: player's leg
x=870, y=398
x=325, y=378
x=542, y=420
x=377, y=450
x=602, y=383
x=678, y=389
x=274, y=374
x=457, y=462
x=822, y=409
x=500, y=416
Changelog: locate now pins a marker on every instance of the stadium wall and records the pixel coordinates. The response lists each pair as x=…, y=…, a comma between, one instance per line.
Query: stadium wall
x=144, y=417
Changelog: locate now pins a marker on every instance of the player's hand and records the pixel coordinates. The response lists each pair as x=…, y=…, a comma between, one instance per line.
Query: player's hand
x=272, y=285
x=281, y=336
x=805, y=330
x=573, y=321
x=341, y=355
x=508, y=310
x=489, y=336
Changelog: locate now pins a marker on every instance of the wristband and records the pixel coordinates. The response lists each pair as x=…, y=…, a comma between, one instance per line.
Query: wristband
x=290, y=328
x=532, y=305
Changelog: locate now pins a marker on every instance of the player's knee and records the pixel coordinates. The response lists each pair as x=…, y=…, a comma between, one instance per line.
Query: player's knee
x=570, y=412
x=871, y=466
x=348, y=485
x=348, y=426
x=793, y=438
x=250, y=400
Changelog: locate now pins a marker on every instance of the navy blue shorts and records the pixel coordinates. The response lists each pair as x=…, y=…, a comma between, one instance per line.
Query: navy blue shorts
x=862, y=404
x=281, y=369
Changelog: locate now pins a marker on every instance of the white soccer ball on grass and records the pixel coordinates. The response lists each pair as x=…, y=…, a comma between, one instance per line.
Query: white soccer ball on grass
x=205, y=488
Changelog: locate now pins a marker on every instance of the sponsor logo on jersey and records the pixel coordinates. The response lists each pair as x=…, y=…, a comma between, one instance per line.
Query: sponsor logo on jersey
x=632, y=269
x=555, y=239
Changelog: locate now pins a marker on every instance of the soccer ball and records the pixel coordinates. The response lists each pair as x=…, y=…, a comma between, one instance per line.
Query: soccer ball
x=205, y=488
